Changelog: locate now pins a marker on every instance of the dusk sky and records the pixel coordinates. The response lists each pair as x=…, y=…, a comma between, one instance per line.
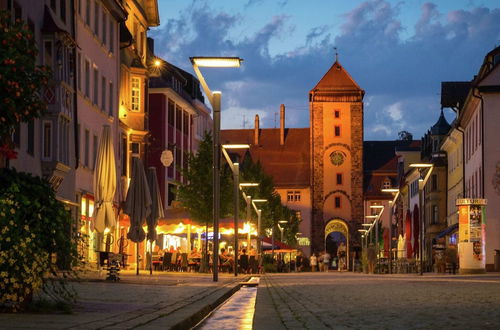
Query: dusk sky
x=397, y=51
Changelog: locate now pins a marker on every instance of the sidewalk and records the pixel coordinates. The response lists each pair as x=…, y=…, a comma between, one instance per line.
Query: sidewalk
x=162, y=300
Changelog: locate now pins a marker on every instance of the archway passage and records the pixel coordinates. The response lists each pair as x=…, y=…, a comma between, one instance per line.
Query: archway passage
x=332, y=243
x=336, y=232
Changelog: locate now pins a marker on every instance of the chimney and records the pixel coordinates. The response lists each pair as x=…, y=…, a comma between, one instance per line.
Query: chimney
x=256, y=131
x=151, y=45
x=282, y=125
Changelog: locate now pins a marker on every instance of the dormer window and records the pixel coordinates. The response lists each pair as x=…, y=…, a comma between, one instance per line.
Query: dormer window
x=386, y=184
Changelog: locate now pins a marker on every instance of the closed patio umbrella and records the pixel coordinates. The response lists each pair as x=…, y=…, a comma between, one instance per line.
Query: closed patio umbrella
x=156, y=211
x=104, y=183
x=137, y=204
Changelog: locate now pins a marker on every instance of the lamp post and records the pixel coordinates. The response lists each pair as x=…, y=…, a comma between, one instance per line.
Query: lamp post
x=421, y=184
x=282, y=229
x=248, y=201
x=215, y=99
x=259, y=227
x=376, y=223
x=394, y=191
x=235, y=168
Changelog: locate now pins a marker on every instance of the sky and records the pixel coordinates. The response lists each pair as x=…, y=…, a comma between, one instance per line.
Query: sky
x=399, y=52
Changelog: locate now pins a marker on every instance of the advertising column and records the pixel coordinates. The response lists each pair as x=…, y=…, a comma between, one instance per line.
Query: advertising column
x=471, y=235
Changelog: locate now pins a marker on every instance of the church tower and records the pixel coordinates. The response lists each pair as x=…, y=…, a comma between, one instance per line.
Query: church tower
x=336, y=121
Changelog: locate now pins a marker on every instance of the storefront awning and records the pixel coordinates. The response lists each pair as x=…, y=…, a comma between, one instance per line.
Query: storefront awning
x=450, y=230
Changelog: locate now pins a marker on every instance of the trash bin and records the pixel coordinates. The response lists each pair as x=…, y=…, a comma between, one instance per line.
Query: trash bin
x=497, y=261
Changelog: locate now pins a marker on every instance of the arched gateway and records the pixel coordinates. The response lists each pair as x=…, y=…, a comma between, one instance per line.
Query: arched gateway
x=336, y=232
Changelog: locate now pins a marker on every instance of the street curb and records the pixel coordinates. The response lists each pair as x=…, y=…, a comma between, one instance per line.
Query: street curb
x=198, y=316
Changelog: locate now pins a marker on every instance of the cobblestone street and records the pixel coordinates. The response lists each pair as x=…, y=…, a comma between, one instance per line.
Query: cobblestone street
x=346, y=300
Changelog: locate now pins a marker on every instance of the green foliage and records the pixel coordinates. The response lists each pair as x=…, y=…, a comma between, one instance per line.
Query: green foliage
x=196, y=194
x=38, y=247
x=21, y=80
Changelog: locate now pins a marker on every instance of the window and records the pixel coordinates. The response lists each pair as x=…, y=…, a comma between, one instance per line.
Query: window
x=337, y=113
x=96, y=86
x=63, y=10
x=96, y=19
x=87, y=78
x=386, y=184
x=171, y=113
x=337, y=130
x=47, y=53
x=79, y=71
x=104, y=27
x=434, y=182
x=298, y=214
x=136, y=94
x=435, y=214
x=134, y=148
x=337, y=202
x=94, y=146
x=16, y=135
x=111, y=95
x=103, y=94
x=47, y=140
x=124, y=154
x=87, y=13
x=178, y=117
x=339, y=178
x=30, y=149
x=111, y=36
x=293, y=196
x=185, y=122
x=86, y=148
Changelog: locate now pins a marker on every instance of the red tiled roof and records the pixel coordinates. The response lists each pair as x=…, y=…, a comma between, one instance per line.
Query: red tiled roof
x=288, y=164
x=337, y=78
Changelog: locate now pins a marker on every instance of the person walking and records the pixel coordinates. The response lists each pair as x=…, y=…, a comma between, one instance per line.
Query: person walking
x=341, y=255
x=314, y=262
x=326, y=261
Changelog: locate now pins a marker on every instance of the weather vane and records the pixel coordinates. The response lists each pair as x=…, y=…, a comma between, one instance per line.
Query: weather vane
x=336, y=54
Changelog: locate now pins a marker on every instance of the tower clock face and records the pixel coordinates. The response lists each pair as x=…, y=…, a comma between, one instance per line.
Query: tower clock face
x=337, y=158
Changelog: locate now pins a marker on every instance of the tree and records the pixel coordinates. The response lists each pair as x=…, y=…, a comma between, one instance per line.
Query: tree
x=405, y=136
x=21, y=80
x=196, y=193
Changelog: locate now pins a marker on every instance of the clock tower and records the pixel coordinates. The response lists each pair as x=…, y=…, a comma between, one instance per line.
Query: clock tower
x=336, y=136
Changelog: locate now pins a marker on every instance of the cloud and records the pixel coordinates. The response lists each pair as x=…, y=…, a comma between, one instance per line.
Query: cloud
x=400, y=74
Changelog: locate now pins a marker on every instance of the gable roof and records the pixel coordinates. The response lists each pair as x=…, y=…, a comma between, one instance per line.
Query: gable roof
x=288, y=164
x=337, y=78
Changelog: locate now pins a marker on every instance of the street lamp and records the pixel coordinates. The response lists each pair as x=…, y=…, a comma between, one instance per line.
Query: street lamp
x=374, y=224
x=215, y=99
x=259, y=224
x=421, y=184
x=235, y=168
x=282, y=229
x=248, y=200
x=395, y=192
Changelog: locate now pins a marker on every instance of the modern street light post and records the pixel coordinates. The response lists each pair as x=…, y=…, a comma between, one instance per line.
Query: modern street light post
x=259, y=227
x=235, y=168
x=248, y=201
x=394, y=191
x=282, y=229
x=421, y=184
x=215, y=101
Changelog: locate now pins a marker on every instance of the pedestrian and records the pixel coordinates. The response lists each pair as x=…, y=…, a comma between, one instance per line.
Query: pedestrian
x=314, y=262
x=298, y=261
x=451, y=257
x=372, y=257
x=326, y=261
x=341, y=255
x=244, y=261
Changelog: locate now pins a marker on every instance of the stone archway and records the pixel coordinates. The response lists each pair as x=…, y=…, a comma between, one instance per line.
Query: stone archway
x=336, y=231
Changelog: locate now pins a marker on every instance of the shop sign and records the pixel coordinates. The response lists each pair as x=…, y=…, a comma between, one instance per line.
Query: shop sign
x=471, y=232
x=304, y=241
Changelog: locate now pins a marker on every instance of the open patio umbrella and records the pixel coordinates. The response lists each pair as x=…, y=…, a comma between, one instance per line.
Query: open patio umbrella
x=138, y=204
x=416, y=231
x=156, y=211
x=104, y=183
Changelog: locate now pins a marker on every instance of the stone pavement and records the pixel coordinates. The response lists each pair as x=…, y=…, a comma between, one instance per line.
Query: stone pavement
x=358, y=301
x=160, y=301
